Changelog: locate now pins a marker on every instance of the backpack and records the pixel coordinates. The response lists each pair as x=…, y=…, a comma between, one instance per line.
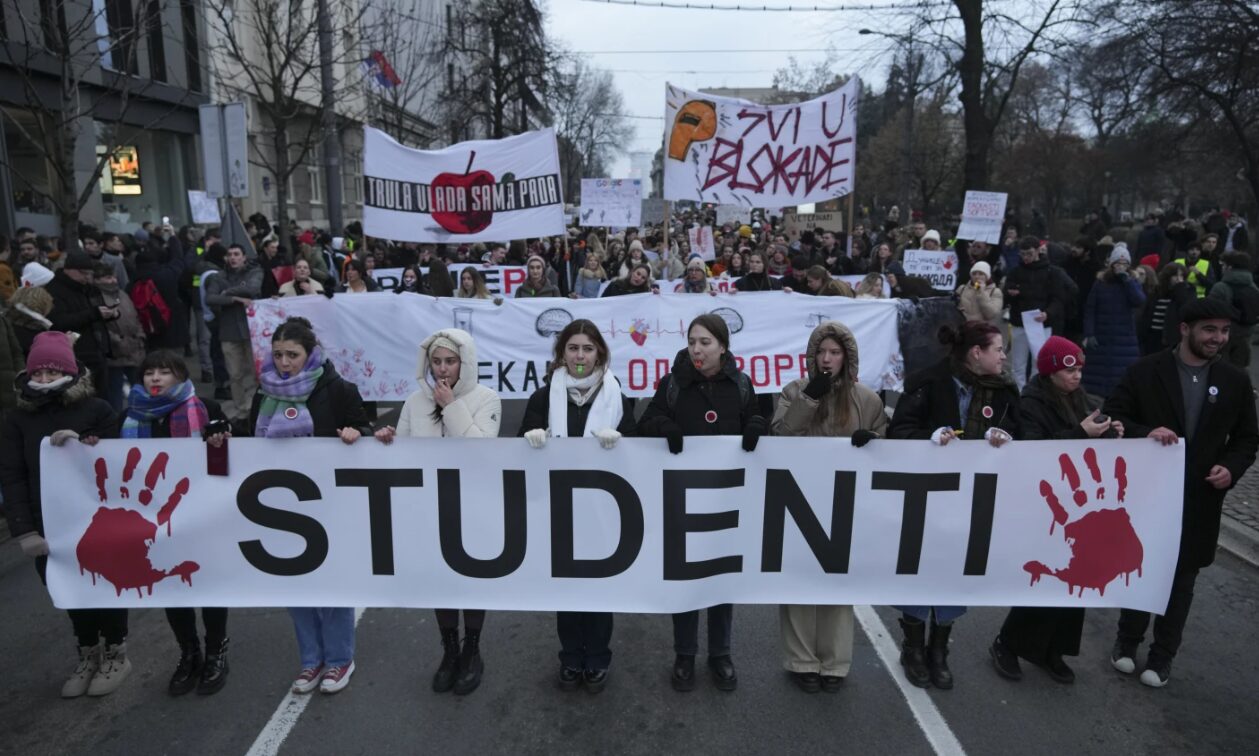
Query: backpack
x=150, y=307
x=744, y=383
x=1246, y=301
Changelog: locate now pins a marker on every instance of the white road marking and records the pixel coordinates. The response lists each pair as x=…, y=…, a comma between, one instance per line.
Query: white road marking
x=285, y=717
x=929, y=718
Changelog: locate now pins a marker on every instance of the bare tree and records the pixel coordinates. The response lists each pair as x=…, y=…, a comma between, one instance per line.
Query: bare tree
x=409, y=35
x=590, y=122
x=268, y=50
x=95, y=80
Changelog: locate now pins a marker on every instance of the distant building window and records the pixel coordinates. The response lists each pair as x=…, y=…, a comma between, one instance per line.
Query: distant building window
x=157, y=44
x=192, y=45
x=121, y=24
x=316, y=186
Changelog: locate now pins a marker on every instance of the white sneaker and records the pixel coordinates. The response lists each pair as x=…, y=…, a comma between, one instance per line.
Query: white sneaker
x=336, y=678
x=1156, y=673
x=1125, y=664
x=81, y=678
x=115, y=666
x=308, y=679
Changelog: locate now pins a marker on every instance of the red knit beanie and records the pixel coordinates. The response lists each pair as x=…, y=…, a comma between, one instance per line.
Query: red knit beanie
x=54, y=350
x=1058, y=353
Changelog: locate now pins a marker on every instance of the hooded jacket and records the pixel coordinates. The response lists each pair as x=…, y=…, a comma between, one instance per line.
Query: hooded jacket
x=75, y=408
x=984, y=303
x=476, y=410
x=697, y=395
x=27, y=312
x=74, y=308
x=795, y=413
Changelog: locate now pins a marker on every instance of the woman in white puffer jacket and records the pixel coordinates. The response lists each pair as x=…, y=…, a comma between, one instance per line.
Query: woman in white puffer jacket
x=451, y=404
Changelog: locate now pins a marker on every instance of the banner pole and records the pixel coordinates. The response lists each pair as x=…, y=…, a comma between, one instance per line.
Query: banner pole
x=849, y=227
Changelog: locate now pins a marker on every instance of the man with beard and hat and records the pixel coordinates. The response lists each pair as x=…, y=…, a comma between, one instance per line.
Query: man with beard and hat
x=1188, y=393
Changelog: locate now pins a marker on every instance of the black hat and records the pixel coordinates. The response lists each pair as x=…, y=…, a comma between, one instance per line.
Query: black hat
x=77, y=259
x=1208, y=308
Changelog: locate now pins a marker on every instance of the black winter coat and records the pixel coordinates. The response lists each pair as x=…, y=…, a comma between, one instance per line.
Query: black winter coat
x=930, y=403
x=538, y=414
x=74, y=308
x=334, y=404
x=76, y=408
x=1149, y=397
x=1040, y=287
x=1042, y=415
x=166, y=269
x=758, y=282
x=697, y=396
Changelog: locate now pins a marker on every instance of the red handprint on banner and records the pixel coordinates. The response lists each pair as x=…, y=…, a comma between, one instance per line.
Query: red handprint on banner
x=1103, y=542
x=116, y=544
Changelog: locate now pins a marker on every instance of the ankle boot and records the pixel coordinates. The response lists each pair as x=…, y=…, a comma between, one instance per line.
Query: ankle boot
x=938, y=656
x=214, y=673
x=81, y=678
x=470, y=664
x=444, y=678
x=115, y=666
x=185, y=677
x=913, y=652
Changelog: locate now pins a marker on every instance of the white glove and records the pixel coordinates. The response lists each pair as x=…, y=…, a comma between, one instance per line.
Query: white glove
x=608, y=437
x=59, y=438
x=997, y=437
x=936, y=438
x=33, y=544
x=536, y=437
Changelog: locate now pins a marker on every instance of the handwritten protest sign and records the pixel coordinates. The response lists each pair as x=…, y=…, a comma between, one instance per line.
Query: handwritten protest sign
x=736, y=215
x=938, y=267
x=701, y=238
x=611, y=202
x=982, y=216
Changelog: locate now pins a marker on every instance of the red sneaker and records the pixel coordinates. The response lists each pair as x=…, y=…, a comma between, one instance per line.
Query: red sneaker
x=336, y=678
x=307, y=680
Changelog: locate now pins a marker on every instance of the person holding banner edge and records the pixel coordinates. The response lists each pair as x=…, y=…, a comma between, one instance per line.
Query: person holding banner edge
x=827, y=402
x=966, y=396
x=704, y=395
x=582, y=398
x=450, y=403
x=301, y=394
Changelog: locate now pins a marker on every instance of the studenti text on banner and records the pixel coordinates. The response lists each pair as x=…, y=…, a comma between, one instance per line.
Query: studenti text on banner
x=494, y=524
x=373, y=339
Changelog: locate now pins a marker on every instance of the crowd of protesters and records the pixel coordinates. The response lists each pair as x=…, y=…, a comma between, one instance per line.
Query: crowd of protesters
x=97, y=341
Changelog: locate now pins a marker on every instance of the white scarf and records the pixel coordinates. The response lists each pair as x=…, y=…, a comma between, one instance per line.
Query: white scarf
x=605, y=408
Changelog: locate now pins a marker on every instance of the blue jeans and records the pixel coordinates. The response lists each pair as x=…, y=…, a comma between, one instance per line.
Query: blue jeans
x=943, y=614
x=325, y=636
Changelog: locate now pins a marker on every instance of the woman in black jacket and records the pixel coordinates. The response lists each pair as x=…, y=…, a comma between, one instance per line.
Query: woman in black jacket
x=637, y=282
x=300, y=395
x=1053, y=406
x=757, y=278
x=704, y=395
x=1158, y=328
x=592, y=405
x=165, y=405
x=55, y=398
x=966, y=396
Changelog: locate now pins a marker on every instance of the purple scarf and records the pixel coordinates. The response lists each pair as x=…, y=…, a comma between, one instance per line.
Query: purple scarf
x=283, y=412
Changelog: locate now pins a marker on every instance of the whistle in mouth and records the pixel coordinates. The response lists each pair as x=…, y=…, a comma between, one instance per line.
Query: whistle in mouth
x=155, y=390
x=581, y=369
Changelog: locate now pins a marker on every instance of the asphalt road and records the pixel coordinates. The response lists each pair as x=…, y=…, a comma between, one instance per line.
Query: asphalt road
x=1210, y=707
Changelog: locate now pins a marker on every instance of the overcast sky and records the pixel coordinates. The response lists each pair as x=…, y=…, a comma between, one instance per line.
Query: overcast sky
x=690, y=36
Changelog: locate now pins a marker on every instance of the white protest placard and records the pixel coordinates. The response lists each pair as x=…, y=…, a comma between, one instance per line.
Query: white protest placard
x=372, y=338
x=730, y=151
x=795, y=223
x=205, y=209
x=611, y=202
x=702, y=243
x=487, y=190
x=736, y=215
x=1037, y=332
x=982, y=216
x=653, y=210
x=574, y=527
x=938, y=267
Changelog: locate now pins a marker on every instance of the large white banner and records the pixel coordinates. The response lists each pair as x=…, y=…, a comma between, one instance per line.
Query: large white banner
x=494, y=524
x=982, y=216
x=611, y=202
x=372, y=339
x=731, y=151
x=500, y=280
x=472, y=191
x=937, y=266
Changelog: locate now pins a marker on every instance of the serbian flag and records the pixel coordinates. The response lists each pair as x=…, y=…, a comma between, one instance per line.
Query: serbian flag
x=377, y=66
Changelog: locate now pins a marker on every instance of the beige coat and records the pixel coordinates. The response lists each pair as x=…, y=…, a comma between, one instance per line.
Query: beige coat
x=981, y=304
x=289, y=289
x=476, y=411
x=794, y=416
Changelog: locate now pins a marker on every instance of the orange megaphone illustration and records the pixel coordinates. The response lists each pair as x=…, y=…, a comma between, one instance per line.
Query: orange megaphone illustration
x=696, y=121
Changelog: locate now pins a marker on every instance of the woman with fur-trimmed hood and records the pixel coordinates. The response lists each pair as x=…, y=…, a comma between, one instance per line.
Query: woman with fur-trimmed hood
x=451, y=404
x=828, y=402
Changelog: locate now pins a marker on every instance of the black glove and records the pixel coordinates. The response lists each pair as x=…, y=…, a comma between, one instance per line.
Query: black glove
x=818, y=386
x=861, y=437
x=753, y=432
x=673, y=432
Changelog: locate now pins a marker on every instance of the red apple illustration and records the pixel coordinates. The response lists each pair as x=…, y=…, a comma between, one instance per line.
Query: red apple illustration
x=467, y=221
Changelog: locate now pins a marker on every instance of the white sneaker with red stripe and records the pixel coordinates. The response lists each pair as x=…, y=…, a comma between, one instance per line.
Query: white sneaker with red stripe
x=336, y=678
x=308, y=679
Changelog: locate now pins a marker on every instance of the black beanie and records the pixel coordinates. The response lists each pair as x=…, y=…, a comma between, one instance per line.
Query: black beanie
x=1208, y=308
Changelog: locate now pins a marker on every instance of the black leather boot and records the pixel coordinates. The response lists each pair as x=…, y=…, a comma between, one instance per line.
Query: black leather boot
x=684, y=673
x=214, y=673
x=938, y=656
x=470, y=664
x=913, y=652
x=722, y=668
x=188, y=669
x=444, y=678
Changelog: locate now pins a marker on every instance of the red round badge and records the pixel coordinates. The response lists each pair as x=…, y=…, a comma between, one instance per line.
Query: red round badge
x=291, y=413
x=987, y=412
x=710, y=416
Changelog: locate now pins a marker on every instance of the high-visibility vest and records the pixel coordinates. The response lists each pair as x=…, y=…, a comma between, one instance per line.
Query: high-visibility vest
x=1204, y=268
